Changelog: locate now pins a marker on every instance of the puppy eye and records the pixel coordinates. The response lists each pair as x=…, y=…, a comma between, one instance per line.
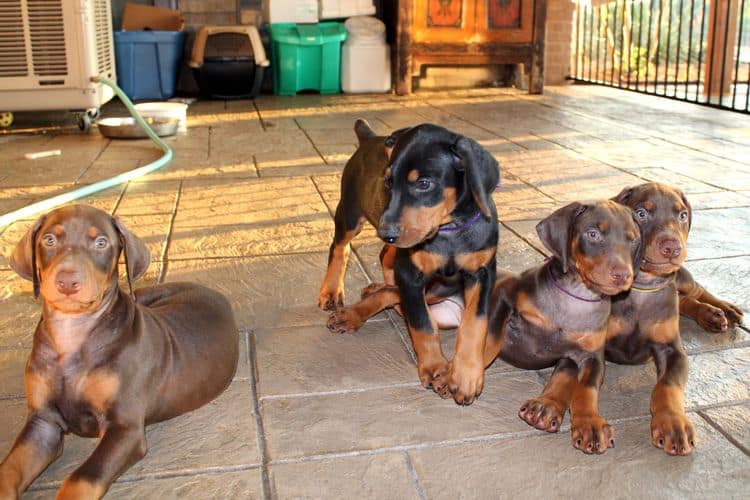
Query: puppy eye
x=101, y=242
x=49, y=240
x=388, y=181
x=594, y=234
x=641, y=213
x=424, y=184
x=683, y=216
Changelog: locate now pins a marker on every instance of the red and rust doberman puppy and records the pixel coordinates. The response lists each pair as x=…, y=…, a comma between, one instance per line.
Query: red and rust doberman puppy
x=105, y=363
x=645, y=321
x=428, y=192
x=556, y=315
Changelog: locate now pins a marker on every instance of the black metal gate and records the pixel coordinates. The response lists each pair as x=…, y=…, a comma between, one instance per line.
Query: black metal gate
x=692, y=50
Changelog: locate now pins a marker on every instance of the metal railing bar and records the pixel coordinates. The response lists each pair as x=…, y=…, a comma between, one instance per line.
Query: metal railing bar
x=700, y=52
x=679, y=46
x=690, y=48
x=736, y=78
x=648, y=44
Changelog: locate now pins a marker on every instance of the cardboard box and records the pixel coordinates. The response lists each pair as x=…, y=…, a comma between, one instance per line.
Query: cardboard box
x=290, y=11
x=137, y=17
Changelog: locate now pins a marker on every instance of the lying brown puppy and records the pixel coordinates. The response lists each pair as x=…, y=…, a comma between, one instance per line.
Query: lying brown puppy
x=105, y=363
x=645, y=320
x=556, y=315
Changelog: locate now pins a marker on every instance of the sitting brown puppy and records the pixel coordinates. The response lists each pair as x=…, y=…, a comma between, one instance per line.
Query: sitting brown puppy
x=556, y=315
x=106, y=363
x=645, y=320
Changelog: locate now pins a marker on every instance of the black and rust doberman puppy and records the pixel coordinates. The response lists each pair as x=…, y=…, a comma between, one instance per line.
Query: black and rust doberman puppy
x=645, y=320
x=428, y=192
x=556, y=315
x=105, y=363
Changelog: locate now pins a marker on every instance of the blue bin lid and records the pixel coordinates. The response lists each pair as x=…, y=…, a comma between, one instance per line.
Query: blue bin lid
x=308, y=34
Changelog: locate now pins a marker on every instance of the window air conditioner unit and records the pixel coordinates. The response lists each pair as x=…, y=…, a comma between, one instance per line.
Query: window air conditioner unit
x=49, y=50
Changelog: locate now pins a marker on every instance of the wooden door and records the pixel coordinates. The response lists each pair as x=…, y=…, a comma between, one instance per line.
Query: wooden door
x=510, y=21
x=444, y=21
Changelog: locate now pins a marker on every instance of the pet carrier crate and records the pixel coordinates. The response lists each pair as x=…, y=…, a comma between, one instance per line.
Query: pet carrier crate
x=49, y=50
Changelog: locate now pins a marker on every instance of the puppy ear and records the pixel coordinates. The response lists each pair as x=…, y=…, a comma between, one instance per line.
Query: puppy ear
x=390, y=141
x=23, y=258
x=363, y=130
x=137, y=256
x=624, y=195
x=482, y=172
x=556, y=231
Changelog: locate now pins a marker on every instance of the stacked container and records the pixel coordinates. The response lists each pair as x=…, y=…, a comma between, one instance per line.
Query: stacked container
x=365, y=57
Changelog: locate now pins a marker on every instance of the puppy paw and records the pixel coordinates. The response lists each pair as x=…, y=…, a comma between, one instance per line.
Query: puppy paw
x=543, y=413
x=462, y=380
x=330, y=301
x=344, y=321
x=712, y=319
x=673, y=433
x=432, y=374
x=592, y=434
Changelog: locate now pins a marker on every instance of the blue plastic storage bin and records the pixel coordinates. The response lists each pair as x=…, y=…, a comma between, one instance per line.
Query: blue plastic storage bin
x=147, y=62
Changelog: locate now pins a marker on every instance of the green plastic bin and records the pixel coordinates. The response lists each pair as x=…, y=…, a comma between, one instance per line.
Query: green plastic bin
x=306, y=57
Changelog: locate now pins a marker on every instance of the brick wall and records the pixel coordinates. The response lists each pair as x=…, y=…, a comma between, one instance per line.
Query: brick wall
x=558, y=42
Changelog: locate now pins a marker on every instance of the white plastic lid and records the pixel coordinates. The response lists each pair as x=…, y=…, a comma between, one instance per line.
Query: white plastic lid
x=365, y=28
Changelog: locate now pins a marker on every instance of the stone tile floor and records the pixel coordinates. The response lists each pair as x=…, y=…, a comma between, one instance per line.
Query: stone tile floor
x=246, y=208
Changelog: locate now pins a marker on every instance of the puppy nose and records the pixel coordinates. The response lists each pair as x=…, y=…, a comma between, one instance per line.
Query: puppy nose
x=389, y=232
x=670, y=248
x=68, y=282
x=619, y=274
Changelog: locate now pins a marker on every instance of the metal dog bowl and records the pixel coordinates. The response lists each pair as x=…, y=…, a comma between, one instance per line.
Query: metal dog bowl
x=127, y=128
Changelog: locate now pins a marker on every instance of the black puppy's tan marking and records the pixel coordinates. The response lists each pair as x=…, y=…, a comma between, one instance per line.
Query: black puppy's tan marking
x=556, y=315
x=105, y=363
x=428, y=193
x=645, y=321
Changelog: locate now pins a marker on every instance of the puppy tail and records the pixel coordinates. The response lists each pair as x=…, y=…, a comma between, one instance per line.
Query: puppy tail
x=363, y=130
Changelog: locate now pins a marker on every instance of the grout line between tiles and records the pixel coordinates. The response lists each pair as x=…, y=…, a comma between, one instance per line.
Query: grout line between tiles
x=51, y=485
x=724, y=432
x=315, y=146
x=98, y=155
x=486, y=438
x=415, y=479
x=168, y=239
x=265, y=483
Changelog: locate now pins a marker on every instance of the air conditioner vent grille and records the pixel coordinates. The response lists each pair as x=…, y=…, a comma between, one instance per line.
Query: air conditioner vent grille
x=13, y=60
x=47, y=37
x=103, y=29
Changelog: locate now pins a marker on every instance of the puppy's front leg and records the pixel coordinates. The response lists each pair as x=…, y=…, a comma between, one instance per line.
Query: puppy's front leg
x=465, y=375
x=119, y=448
x=589, y=431
x=671, y=429
x=39, y=443
x=423, y=330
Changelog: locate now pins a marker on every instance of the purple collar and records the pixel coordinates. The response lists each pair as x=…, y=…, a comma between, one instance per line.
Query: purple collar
x=462, y=227
x=559, y=287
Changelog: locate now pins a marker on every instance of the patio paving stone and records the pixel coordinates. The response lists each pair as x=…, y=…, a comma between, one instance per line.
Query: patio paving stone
x=375, y=476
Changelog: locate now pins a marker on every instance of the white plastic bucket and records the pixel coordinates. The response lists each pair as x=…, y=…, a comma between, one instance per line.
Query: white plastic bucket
x=365, y=57
x=165, y=110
